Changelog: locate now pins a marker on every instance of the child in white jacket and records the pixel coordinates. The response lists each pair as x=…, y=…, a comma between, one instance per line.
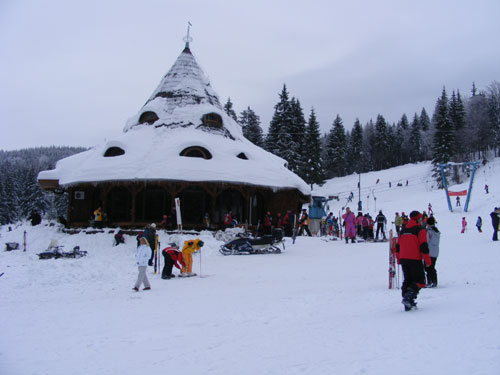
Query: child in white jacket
x=142, y=255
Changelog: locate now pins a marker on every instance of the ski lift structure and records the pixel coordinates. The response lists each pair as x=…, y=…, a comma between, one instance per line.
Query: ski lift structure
x=472, y=166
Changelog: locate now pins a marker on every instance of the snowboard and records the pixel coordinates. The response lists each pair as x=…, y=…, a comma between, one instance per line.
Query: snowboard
x=194, y=274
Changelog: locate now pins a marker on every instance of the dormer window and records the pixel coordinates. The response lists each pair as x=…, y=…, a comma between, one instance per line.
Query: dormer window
x=212, y=120
x=114, y=151
x=148, y=117
x=196, y=152
x=241, y=155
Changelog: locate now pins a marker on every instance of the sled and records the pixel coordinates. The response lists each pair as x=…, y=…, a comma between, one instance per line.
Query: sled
x=9, y=246
x=267, y=244
x=57, y=252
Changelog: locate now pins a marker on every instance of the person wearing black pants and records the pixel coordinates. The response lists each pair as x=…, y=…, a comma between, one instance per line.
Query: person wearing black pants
x=304, y=223
x=411, y=249
x=433, y=237
x=495, y=219
x=172, y=257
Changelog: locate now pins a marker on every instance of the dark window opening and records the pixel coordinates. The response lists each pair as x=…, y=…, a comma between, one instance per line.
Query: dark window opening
x=241, y=155
x=212, y=120
x=196, y=152
x=114, y=151
x=148, y=117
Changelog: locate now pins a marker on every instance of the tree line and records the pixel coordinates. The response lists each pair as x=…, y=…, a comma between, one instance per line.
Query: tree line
x=20, y=194
x=460, y=129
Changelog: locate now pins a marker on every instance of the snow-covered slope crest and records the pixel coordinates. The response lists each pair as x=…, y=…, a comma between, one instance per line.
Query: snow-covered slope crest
x=154, y=154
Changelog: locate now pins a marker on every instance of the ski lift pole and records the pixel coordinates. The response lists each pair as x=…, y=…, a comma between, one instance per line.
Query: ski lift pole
x=445, y=185
x=24, y=241
x=474, y=166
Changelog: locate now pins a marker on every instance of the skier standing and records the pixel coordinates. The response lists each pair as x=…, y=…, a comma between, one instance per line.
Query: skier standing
x=479, y=224
x=381, y=221
x=433, y=236
x=458, y=201
x=486, y=188
x=464, y=225
x=150, y=233
x=495, y=220
x=304, y=223
x=142, y=254
x=411, y=249
x=398, y=221
x=350, y=225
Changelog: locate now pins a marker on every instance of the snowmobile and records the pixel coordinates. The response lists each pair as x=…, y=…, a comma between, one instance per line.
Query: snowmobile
x=57, y=252
x=267, y=244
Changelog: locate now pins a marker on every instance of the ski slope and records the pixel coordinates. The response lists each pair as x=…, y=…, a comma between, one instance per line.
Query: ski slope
x=317, y=308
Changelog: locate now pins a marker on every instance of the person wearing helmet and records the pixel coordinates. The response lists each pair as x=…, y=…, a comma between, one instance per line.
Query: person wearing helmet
x=190, y=246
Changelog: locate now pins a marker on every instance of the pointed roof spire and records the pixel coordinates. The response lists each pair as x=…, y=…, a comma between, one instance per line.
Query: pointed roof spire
x=187, y=39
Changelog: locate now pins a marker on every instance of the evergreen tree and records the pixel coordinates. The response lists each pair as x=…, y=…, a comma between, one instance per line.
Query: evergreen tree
x=380, y=158
x=443, y=136
x=228, y=108
x=336, y=149
x=457, y=118
x=494, y=114
x=355, y=148
x=312, y=170
x=277, y=138
x=297, y=130
x=250, y=124
x=414, y=151
x=425, y=122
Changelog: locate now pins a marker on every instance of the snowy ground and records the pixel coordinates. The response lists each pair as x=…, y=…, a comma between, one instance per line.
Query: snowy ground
x=318, y=308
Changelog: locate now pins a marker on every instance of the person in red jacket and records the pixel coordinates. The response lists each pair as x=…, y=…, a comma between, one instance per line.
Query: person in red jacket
x=411, y=250
x=173, y=257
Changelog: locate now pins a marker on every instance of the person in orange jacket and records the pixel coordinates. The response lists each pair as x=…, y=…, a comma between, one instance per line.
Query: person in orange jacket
x=304, y=223
x=189, y=247
x=411, y=250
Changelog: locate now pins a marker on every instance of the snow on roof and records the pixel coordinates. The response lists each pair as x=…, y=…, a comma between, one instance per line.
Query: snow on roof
x=153, y=151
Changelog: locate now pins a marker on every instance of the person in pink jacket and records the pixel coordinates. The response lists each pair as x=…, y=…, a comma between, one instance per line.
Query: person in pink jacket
x=350, y=225
x=464, y=225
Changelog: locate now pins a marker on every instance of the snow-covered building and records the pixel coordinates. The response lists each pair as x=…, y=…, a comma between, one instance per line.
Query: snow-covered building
x=180, y=144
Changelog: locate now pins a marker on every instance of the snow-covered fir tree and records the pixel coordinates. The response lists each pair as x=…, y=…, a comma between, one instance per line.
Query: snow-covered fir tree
x=297, y=130
x=312, y=170
x=355, y=149
x=415, y=142
x=278, y=125
x=336, y=150
x=228, y=108
x=380, y=146
x=444, y=138
x=250, y=124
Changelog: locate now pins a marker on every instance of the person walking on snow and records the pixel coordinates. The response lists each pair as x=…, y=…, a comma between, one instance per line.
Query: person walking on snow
x=433, y=237
x=464, y=225
x=479, y=224
x=398, y=221
x=350, y=225
x=142, y=254
x=495, y=220
x=411, y=250
x=458, y=201
x=486, y=188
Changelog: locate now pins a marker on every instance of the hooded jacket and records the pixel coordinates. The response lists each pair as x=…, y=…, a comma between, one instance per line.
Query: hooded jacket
x=412, y=243
x=433, y=236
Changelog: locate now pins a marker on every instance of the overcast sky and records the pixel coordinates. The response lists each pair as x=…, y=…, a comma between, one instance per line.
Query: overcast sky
x=72, y=72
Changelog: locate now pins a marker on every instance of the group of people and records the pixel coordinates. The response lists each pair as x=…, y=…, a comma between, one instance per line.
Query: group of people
x=147, y=243
x=363, y=226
